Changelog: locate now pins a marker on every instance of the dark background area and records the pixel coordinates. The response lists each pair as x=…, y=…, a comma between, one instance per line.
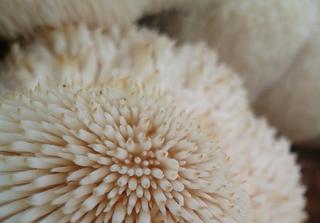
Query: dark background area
x=308, y=157
x=4, y=47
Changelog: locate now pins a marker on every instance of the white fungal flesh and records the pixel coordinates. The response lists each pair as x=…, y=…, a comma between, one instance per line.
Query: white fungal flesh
x=79, y=54
x=254, y=43
x=109, y=155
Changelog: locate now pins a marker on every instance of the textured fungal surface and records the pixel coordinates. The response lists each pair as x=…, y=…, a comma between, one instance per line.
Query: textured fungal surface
x=192, y=75
x=117, y=154
x=78, y=53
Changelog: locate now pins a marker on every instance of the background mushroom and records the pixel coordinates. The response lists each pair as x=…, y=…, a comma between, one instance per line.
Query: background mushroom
x=272, y=45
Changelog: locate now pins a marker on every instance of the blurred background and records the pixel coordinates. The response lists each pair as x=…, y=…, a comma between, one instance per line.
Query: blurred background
x=309, y=159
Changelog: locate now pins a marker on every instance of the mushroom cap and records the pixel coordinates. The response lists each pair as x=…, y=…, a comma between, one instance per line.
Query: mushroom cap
x=193, y=77
x=300, y=90
x=118, y=153
x=258, y=39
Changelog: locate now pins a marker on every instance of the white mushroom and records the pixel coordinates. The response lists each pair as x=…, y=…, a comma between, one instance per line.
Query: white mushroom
x=115, y=154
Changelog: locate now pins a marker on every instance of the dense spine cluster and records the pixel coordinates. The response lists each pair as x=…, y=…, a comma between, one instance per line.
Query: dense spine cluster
x=109, y=155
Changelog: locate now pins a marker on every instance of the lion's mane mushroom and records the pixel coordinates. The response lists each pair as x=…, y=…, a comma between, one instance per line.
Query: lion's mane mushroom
x=119, y=153
x=78, y=54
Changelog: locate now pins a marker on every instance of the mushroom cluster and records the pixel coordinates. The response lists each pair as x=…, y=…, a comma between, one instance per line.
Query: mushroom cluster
x=112, y=123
